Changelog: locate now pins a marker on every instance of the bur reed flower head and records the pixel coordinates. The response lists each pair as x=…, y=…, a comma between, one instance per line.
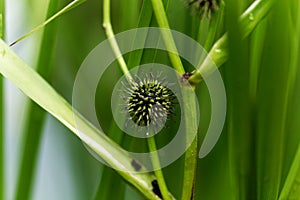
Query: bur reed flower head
x=149, y=101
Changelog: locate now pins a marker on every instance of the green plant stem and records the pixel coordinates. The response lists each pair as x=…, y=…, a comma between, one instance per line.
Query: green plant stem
x=112, y=40
x=189, y=108
x=35, y=87
x=219, y=52
x=2, y=156
x=158, y=171
x=36, y=116
x=190, y=156
x=68, y=7
x=162, y=21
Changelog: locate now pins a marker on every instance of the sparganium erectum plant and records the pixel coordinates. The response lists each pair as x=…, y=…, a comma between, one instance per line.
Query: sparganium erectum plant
x=260, y=143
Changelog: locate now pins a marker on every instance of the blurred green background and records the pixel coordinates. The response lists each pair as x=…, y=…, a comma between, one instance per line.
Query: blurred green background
x=259, y=143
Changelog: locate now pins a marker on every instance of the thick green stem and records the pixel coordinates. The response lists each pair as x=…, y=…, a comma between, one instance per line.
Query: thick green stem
x=162, y=21
x=219, y=52
x=190, y=157
x=189, y=108
x=158, y=172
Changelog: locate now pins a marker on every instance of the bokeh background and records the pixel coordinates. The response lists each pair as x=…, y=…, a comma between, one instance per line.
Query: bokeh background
x=255, y=152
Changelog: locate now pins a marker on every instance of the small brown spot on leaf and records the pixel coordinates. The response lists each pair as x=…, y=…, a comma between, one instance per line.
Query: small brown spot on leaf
x=136, y=165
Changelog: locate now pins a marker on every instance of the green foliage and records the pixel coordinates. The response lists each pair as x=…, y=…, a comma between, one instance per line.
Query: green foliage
x=255, y=44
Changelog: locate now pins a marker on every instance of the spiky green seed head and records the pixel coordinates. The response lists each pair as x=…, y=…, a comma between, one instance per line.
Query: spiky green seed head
x=149, y=102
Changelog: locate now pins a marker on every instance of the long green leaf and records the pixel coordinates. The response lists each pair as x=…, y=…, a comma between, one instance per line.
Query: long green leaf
x=239, y=108
x=256, y=48
x=290, y=188
x=272, y=104
x=36, y=88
